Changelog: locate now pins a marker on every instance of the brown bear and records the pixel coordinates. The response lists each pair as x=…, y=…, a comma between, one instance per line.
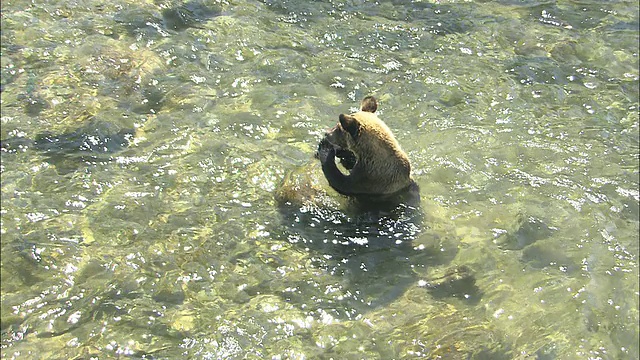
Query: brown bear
x=374, y=171
x=379, y=170
x=381, y=202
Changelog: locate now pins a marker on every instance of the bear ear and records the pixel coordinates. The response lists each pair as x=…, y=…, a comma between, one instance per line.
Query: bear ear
x=369, y=104
x=350, y=124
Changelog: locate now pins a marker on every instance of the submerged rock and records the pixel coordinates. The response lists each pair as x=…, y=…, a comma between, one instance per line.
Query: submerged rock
x=95, y=141
x=93, y=138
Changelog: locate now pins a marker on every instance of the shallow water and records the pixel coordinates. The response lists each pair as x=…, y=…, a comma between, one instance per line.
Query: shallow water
x=143, y=224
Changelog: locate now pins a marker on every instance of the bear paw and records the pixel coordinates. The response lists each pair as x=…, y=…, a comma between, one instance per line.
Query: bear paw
x=325, y=151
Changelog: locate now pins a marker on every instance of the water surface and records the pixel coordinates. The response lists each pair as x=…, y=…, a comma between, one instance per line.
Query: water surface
x=145, y=141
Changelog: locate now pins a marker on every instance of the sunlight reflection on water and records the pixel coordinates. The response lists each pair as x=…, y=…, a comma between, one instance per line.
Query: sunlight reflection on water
x=142, y=145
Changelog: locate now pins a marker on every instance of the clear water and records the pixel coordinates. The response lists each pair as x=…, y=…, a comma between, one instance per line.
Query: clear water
x=520, y=119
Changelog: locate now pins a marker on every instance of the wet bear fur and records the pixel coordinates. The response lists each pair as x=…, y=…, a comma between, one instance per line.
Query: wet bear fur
x=379, y=171
x=373, y=172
